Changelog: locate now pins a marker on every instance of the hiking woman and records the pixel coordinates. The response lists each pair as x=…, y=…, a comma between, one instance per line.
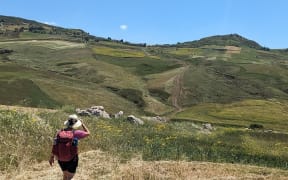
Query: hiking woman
x=65, y=146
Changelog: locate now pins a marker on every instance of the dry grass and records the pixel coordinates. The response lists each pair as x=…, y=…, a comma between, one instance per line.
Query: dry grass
x=96, y=164
x=195, y=170
x=184, y=51
x=156, y=107
x=99, y=165
x=161, y=80
x=53, y=44
x=85, y=97
x=118, y=52
x=232, y=50
x=25, y=109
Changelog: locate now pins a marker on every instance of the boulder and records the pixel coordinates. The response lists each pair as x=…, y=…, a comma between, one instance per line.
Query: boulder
x=97, y=111
x=207, y=126
x=98, y=107
x=104, y=114
x=118, y=115
x=134, y=120
x=158, y=118
x=82, y=112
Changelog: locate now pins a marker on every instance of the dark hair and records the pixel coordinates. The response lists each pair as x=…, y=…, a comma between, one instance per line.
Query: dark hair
x=71, y=122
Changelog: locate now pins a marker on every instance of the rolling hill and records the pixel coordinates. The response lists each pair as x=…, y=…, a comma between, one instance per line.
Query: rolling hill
x=224, y=40
x=48, y=66
x=71, y=67
x=226, y=80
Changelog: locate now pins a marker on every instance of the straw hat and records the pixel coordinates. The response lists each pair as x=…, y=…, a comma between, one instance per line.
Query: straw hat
x=73, y=121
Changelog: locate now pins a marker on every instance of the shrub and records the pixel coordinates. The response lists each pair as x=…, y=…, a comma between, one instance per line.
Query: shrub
x=23, y=138
x=256, y=126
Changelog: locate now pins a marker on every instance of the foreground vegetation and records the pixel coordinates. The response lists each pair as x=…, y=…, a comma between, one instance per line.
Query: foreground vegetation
x=27, y=138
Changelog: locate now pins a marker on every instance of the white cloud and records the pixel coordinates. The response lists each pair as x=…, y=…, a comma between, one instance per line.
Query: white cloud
x=123, y=27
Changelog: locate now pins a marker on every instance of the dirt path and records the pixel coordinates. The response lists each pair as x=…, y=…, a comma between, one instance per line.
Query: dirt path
x=99, y=165
x=177, y=90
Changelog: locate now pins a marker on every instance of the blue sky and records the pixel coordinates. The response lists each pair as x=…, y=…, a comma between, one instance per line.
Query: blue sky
x=162, y=21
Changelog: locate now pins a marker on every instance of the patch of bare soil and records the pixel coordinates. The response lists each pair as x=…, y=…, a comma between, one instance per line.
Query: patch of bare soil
x=177, y=90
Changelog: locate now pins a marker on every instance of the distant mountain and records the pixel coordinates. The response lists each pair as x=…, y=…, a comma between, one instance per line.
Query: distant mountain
x=222, y=40
x=9, y=20
x=15, y=27
x=19, y=28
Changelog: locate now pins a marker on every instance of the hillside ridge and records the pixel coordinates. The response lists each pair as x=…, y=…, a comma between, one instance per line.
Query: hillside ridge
x=221, y=40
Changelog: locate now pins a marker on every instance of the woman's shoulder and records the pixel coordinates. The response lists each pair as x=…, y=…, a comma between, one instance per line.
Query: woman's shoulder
x=80, y=134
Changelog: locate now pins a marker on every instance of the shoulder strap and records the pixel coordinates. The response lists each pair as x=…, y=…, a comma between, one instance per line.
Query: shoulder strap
x=73, y=131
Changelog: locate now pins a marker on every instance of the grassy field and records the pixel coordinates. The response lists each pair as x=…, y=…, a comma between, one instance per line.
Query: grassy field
x=214, y=75
x=152, y=141
x=141, y=66
x=272, y=114
x=30, y=94
x=117, y=52
x=224, y=82
x=81, y=79
x=248, y=73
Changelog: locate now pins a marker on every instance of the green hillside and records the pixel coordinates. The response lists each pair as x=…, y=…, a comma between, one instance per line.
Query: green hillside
x=218, y=69
x=269, y=113
x=228, y=81
x=226, y=40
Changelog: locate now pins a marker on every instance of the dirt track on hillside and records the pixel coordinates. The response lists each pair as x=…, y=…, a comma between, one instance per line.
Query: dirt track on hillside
x=178, y=89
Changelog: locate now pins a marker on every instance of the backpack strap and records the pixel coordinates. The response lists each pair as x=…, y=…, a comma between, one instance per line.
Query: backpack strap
x=75, y=140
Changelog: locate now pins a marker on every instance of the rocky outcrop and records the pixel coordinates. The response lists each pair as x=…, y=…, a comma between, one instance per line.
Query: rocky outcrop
x=97, y=111
x=82, y=112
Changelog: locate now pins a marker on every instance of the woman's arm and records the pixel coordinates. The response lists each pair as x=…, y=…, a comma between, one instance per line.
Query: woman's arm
x=85, y=128
x=51, y=160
